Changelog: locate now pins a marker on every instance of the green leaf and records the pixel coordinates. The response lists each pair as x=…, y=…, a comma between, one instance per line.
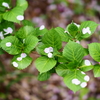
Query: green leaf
x=72, y=29
x=52, y=39
x=63, y=35
x=15, y=45
x=44, y=76
x=30, y=43
x=24, y=31
x=12, y=14
x=86, y=68
x=92, y=25
x=94, y=51
x=23, y=4
x=74, y=75
x=73, y=52
x=62, y=70
x=96, y=70
x=44, y=64
x=25, y=62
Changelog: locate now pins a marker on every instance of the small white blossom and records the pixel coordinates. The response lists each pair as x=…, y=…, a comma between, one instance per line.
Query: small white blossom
x=50, y=49
x=19, y=58
x=82, y=72
x=1, y=36
x=20, y=17
x=46, y=50
x=66, y=32
x=8, y=44
x=23, y=55
x=87, y=62
x=83, y=84
x=8, y=30
x=15, y=64
x=86, y=78
x=86, y=30
x=77, y=25
x=50, y=55
x=76, y=81
x=41, y=27
x=5, y=4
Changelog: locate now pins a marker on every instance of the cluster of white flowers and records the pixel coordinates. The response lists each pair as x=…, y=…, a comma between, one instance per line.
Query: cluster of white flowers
x=48, y=51
x=41, y=27
x=5, y=5
x=86, y=30
x=8, y=44
x=20, y=17
x=23, y=55
x=78, y=82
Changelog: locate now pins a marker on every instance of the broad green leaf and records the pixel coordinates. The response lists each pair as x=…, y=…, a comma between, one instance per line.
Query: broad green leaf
x=86, y=51
x=63, y=35
x=25, y=62
x=96, y=70
x=62, y=59
x=62, y=70
x=72, y=29
x=30, y=43
x=94, y=51
x=23, y=32
x=13, y=14
x=73, y=52
x=92, y=25
x=44, y=76
x=52, y=38
x=22, y=3
x=86, y=68
x=77, y=74
x=44, y=64
x=15, y=45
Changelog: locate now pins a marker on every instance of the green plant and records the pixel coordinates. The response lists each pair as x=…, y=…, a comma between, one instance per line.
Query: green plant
x=67, y=63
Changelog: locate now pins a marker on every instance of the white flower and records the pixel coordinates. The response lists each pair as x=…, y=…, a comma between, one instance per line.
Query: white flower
x=50, y=55
x=8, y=30
x=82, y=72
x=20, y=17
x=1, y=35
x=87, y=62
x=83, y=84
x=41, y=27
x=23, y=55
x=46, y=50
x=86, y=30
x=19, y=58
x=5, y=4
x=8, y=44
x=77, y=25
x=50, y=49
x=76, y=81
x=15, y=64
x=86, y=78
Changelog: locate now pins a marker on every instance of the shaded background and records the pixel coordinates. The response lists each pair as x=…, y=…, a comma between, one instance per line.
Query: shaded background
x=23, y=85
